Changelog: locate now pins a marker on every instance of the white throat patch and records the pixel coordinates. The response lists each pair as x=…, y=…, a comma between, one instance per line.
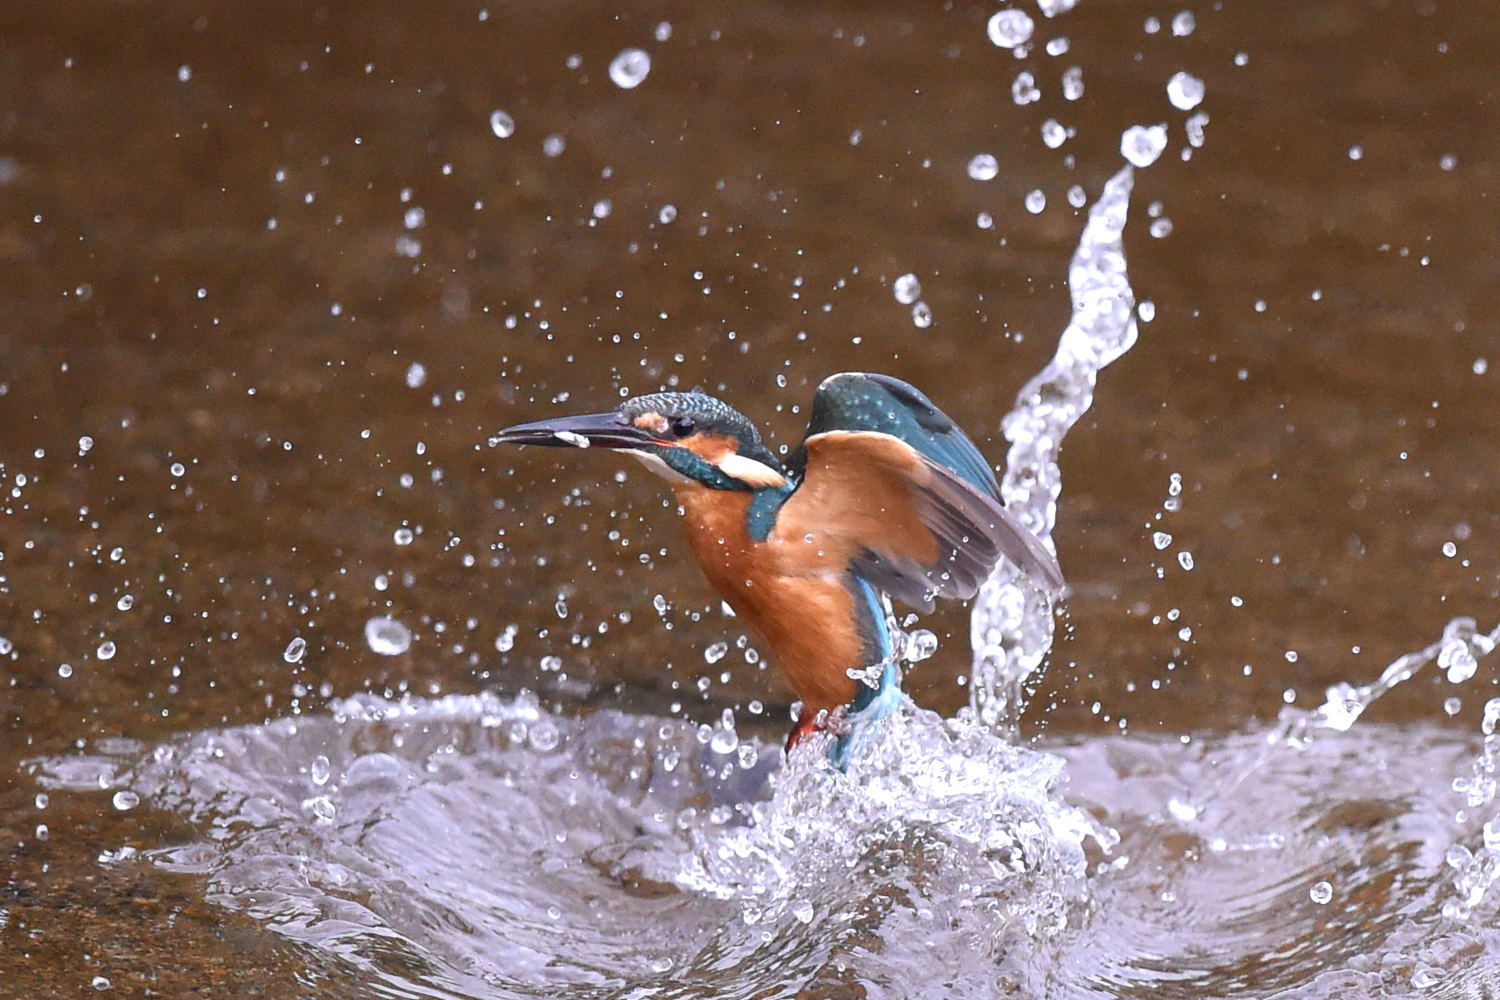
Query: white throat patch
x=656, y=465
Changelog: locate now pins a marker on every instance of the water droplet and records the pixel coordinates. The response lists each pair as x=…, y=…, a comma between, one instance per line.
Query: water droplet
x=629, y=68
x=802, y=909
x=184, y=73
x=1054, y=134
x=321, y=807
x=506, y=641
x=1185, y=91
x=1160, y=228
x=1077, y=196
x=403, y=535
x=1356, y=152
x=554, y=145
x=543, y=736
x=1321, y=892
x=984, y=167
x=65, y=670
x=106, y=650
x=1072, y=83
x=667, y=214
x=177, y=469
x=1161, y=540
x=320, y=770
x=716, y=652
x=602, y=208
x=387, y=636
x=1052, y=8
x=1450, y=549
x=100, y=983
x=502, y=124
x=1194, y=129
x=125, y=800
x=1185, y=559
x=724, y=741
x=416, y=375
x=1143, y=144
x=84, y=444
x=663, y=31
x=1010, y=27
x=294, y=650
x=920, y=644
x=1457, y=659
x=1023, y=89
x=908, y=289
x=921, y=315
x=1184, y=23
x=1036, y=201
x=1183, y=812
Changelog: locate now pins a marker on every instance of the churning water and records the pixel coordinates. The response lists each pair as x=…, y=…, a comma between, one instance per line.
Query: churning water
x=486, y=847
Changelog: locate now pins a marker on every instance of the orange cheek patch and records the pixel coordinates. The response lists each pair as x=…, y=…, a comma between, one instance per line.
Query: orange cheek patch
x=712, y=447
x=652, y=422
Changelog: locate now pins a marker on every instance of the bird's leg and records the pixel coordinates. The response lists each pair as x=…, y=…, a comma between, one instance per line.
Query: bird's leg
x=809, y=722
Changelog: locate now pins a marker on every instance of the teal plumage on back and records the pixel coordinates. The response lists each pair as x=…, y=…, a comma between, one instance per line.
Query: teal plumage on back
x=859, y=401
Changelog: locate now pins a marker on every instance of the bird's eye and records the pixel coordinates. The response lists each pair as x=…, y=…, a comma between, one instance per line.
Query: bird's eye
x=683, y=426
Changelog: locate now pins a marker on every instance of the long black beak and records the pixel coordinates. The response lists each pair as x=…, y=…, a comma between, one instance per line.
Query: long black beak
x=602, y=430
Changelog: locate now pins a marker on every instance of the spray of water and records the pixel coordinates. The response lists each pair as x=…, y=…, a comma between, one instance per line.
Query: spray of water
x=1011, y=627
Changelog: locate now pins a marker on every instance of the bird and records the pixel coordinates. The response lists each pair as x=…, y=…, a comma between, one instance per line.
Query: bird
x=885, y=497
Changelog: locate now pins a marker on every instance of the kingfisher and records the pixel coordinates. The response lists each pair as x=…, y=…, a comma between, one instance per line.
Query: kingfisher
x=885, y=496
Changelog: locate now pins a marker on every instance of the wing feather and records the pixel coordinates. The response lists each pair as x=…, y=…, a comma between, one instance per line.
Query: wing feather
x=890, y=488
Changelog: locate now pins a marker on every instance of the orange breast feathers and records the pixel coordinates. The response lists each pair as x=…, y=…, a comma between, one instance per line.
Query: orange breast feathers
x=800, y=607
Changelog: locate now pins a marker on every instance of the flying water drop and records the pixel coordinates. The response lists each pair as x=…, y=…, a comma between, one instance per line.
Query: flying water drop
x=1143, y=144
x=907, y=288
x=1185, y=91
x=629, y=68
x=1010, y=28
x=387, y=636
x=984, y=167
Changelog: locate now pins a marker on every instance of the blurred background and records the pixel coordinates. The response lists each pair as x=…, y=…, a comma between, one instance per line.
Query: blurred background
x=270, y=275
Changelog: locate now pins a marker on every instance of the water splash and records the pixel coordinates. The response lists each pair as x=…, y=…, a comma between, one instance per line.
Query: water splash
x=1458, y=653
x=1011, y=628
x=483, y=846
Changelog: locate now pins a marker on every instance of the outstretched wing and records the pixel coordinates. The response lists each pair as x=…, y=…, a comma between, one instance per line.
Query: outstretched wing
x=891, y=488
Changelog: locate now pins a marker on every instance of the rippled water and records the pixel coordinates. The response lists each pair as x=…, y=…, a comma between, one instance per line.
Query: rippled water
x=478, y=846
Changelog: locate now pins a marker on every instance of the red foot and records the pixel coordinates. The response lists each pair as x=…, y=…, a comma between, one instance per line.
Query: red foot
x=810, y=722
x=807, y=724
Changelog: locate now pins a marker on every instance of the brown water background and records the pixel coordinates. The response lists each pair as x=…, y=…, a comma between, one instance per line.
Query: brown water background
x=211, y=267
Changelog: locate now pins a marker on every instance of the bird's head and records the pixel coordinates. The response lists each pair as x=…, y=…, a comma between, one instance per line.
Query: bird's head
x=682, y=436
